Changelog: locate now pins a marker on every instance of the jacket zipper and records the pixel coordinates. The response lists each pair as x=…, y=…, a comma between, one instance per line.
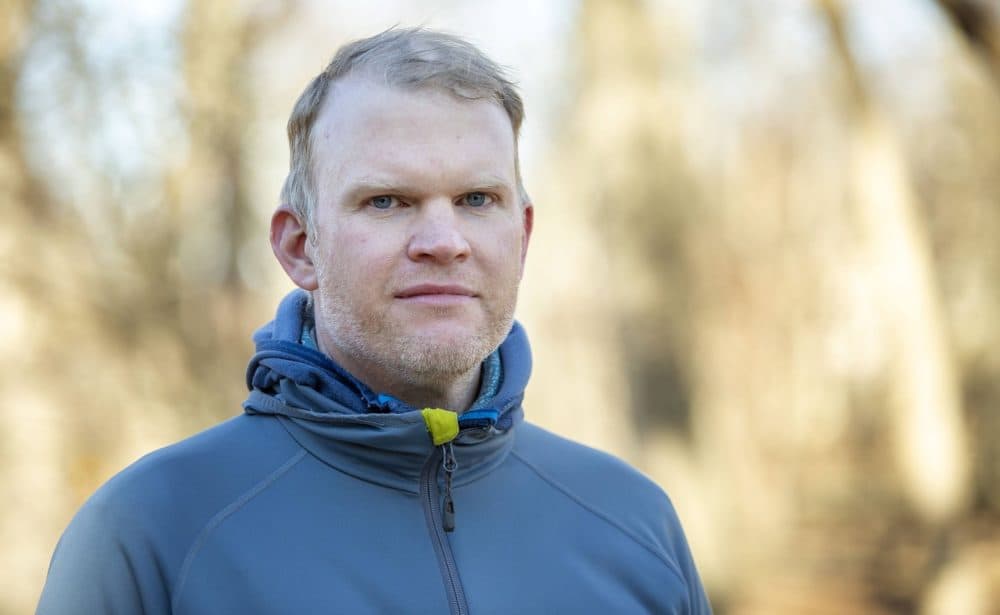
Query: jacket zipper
x=437, y=520
x=449, y=464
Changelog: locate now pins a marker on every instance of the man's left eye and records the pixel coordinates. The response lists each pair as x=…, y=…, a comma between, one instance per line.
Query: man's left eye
x=477, y=199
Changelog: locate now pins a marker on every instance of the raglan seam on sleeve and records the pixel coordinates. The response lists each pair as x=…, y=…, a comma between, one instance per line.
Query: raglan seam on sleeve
x=673, y=566
x=221, y=516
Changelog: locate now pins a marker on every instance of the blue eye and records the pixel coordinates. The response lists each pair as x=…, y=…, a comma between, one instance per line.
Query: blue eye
x=382, y=202
x=477, y=199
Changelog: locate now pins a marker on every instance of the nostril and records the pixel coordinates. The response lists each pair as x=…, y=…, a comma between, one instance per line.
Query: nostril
x=442, y=244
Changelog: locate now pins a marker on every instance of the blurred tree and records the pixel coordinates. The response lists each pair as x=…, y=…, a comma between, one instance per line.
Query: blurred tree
x=121, y=268
x=24, y=194
x=764, y=276
x=771, y=301
x=979, y=23
x=962, y=180
x=922, y=384
x=641, y=197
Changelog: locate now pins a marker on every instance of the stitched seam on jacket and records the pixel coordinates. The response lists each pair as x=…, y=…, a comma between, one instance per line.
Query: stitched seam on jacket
x=607, y=519
x=221, y=516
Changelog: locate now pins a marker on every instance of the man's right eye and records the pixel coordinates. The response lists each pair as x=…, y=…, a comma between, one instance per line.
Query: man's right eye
x=382, y=202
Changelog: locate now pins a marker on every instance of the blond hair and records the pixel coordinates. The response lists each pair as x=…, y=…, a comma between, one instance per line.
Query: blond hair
x=409, y=58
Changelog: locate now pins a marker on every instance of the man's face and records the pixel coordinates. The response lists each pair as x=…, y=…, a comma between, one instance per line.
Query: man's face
x=419, y=233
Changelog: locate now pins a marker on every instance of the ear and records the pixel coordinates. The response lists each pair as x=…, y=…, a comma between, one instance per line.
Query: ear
x=528, y=213
x=288, y=241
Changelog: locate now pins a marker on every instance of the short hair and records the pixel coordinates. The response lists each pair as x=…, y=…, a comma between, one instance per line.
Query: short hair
x=411, y=58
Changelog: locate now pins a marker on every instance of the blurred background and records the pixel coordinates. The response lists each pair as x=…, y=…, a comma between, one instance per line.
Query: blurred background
x=765, y=268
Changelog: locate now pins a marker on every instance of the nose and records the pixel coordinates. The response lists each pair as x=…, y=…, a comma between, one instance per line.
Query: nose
x=437, y=235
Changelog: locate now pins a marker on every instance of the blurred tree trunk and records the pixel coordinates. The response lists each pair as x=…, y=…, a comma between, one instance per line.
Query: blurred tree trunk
x=932, y=445
x=209, y=218
x=30, y=444
x=23, y=195
x=979, y=23
x=576, y=304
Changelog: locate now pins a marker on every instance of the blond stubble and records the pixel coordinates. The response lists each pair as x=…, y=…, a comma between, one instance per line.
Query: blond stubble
x=404, y=356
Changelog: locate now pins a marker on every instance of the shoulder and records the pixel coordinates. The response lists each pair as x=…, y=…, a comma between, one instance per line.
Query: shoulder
x=617, y=494
x=587, y=471
x=170, y=493
x=202, y=471
x=124, y=548
x=606, y=486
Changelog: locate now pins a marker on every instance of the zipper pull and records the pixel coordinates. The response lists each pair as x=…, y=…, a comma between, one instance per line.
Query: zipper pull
x=443, y=427
x=448, y=464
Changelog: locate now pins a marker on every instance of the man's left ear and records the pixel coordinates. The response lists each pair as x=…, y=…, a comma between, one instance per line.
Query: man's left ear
x=528, y=213
x=288, y=242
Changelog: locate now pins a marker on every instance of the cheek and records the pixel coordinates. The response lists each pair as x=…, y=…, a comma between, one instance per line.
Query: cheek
x=360, y=261
x=508, y=243
x=502, y=254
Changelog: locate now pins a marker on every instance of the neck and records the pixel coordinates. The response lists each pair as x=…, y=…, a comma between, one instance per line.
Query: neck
x=454, y=392
x=456, y=395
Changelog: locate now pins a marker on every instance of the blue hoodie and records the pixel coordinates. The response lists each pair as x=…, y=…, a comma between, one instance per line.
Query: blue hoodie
x=326, y=497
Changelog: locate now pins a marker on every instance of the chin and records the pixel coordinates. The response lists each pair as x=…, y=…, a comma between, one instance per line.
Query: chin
x=451, y=328
x=445, y=350
x=439, y=361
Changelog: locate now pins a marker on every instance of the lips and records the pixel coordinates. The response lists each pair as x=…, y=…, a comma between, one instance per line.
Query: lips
x=434, y=290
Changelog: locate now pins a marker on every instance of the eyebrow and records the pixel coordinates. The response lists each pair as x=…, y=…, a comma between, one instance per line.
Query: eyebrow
x=366, y=185
x=362, y=186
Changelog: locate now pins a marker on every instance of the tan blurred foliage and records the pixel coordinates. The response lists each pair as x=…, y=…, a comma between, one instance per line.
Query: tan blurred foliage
x=765, y=269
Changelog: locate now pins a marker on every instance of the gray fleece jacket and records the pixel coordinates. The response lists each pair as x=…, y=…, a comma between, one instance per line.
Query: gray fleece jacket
x=326, y=497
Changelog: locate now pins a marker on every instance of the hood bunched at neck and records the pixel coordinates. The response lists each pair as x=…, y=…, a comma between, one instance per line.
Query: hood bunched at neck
x=285, y=371
x=290, y=376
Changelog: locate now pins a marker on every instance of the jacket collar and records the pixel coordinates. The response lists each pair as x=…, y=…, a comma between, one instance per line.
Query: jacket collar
x=375, y=437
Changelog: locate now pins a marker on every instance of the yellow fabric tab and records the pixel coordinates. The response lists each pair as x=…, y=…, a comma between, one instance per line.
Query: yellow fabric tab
x=443, y=424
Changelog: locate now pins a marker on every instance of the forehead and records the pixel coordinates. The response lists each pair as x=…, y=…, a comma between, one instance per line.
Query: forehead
x=365, y=127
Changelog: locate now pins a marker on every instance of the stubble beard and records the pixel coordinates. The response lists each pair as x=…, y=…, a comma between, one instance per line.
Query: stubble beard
x=402, y=355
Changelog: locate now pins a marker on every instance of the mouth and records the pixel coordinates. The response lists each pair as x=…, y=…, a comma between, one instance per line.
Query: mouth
x=426, y=290
x=436, y=294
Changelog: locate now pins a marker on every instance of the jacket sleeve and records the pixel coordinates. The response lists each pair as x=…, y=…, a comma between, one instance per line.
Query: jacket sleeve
x=103, y=564
x=697, y=598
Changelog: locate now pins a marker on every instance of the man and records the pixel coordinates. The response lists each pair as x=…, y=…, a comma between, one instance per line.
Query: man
x=383, y=464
